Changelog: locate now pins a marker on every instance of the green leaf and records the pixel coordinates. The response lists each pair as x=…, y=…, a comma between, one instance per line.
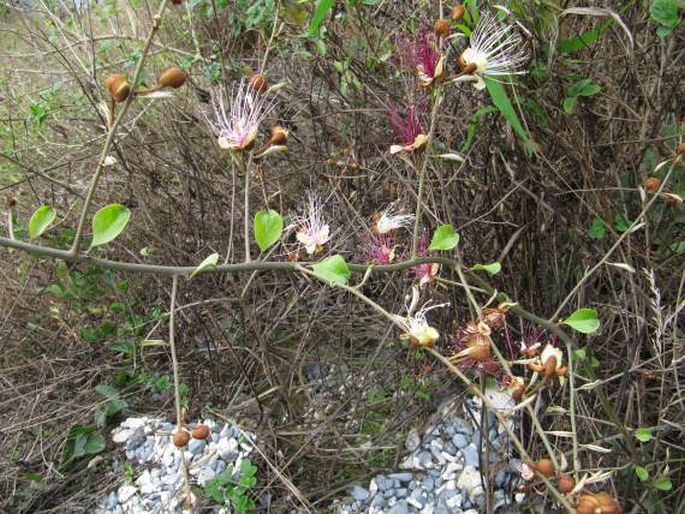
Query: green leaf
x=663, y=484
x=642, y=473
x=268, y=227
x=583, y=87
x=332, y=269
x=95, y=444
x=584, y=321
x=664, y=12
x=108, y=223
x=108, y=391
x=493, y=268
x=569, y=104
x=320, y=13
x=643, y=435
x=444, y=238
x=501, y=100
x=41, y=220
x=209, y=263
x=473, y=126
x=598, y=228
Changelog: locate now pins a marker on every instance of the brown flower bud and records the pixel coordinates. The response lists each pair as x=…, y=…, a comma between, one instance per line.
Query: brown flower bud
x=607, y=503
x=11, y=202
x=118, y=87
x=544, y=467
x=279, y=136
x=681, y=148
x=442, y=27
x=480, y=352
x=600, y=503
x=172, y=77
x=177, y=2
x=200, y=432
x=180, y=438
x=652, y=184
x=458, y=12
x=494, y=318
x=550, y=366
x=566, y=483
x=258, y=83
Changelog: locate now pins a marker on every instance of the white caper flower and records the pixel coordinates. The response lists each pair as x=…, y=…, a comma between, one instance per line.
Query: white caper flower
x=236, y=128
x=391, y=219
x=312, y=231
x=495, y=50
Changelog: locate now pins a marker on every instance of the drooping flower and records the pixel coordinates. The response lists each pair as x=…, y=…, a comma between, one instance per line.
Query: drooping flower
x=312, y=231
x=422, y=53
x=426, y=272
x=495, y=50
x=472, y=349
x=409, y=128
x=380, y=248
x=416, y=327
x=390, y=219
x=237, y=126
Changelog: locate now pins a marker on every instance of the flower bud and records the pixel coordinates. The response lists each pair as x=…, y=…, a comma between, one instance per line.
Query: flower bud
x=566, y=483
x=118, y=87
x=544, y=467
x=172, y=77
x=681, y=148
x=442, y=27
x=279, y=136
x=600, y=503
x=180, y=438
x=11, y=202
x=258, y=83
x=458, y=12
x=200, y=432
x=177, y=2
x=652, y=184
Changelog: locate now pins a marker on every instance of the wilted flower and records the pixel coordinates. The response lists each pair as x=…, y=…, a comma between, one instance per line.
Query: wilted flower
x=237, y=128
x=471, y=345
x=380, y=248
x=423, y=53
x=549, y=363
x=426, y=272
x=409, y=128
x=419, y=332
x=312, y=232
x=390, y=219
x=495, y=50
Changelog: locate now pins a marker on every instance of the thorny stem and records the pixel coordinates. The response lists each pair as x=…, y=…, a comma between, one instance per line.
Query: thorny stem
x=157, y=21
x=422, y=174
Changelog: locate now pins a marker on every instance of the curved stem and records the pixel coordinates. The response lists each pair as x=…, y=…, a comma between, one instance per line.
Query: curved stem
x=157, y=21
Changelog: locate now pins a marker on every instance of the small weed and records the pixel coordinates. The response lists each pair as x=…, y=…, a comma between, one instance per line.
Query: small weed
x=233, y=488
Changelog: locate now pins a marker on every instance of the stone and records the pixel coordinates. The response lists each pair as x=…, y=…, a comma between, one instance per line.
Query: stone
x=471, y=455
x=401, y=493
x=469, y=479
x=359, y=493
x=460, y=440
x=400, y=507
x=125, y=493
x=196, y=446
x=401, y=477
x=424, y=460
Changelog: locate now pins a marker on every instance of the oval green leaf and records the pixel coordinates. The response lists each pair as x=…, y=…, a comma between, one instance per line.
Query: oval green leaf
x=584, y=321
x=642, y=473
x=268, y=227
x=492, y=269
x=209, y=263
x=41, y=220
x=444, y=238
x=663, y=484
x=108, y=223
x=643, y=435
x=332, y=269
